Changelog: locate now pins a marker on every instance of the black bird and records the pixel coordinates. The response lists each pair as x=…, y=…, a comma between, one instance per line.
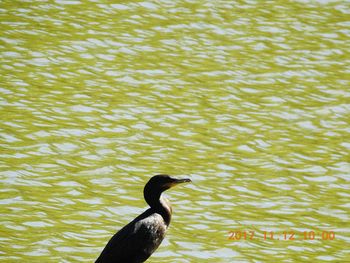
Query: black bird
x=136, y=241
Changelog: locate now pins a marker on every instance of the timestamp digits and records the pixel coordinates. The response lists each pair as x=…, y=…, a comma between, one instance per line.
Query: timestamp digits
x=237, y=235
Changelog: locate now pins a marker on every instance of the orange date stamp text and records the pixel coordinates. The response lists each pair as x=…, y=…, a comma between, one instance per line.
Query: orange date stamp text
x=290, y=235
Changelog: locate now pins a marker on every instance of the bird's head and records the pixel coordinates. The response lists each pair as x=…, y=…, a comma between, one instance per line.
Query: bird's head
x=162, y=182
x=153, y=191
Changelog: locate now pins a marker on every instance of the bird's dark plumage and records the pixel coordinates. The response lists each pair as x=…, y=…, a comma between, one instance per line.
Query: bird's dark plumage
x=136, y=241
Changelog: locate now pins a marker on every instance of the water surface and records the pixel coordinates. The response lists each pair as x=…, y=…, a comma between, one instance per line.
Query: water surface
x=250, y=99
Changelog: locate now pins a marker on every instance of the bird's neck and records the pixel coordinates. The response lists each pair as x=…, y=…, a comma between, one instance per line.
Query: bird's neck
x=166, y=208
x=160, y=205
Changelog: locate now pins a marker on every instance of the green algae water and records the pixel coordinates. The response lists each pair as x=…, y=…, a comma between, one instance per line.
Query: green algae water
x=249, y=99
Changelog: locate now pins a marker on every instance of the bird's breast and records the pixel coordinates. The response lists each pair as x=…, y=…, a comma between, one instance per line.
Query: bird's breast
x=153, y=228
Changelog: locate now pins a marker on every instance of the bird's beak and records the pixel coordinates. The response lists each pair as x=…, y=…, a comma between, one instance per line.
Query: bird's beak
x=178, y=181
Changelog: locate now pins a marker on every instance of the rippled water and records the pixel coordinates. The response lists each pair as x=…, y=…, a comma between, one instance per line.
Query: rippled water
x=250, y=99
